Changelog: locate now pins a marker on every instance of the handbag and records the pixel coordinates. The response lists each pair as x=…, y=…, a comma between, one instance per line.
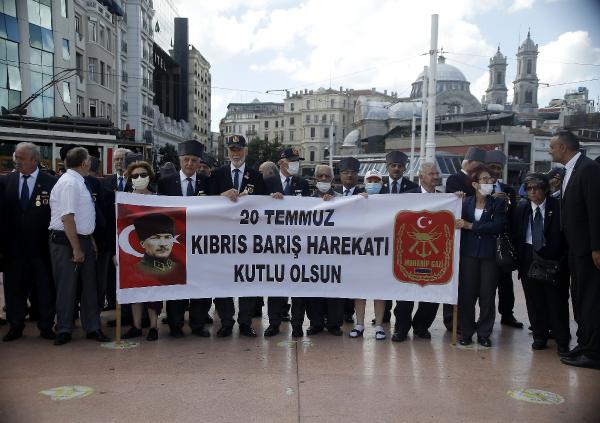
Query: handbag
x=544, y=270
x=506, y=255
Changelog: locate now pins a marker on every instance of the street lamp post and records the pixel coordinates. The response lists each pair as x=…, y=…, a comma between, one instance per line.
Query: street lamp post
x=431, y=102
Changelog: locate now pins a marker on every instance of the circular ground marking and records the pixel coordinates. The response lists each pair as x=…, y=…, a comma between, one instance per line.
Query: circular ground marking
x=286, y=344
x=62, y=393
x=307, y=344
x=123, y=345
x=289, y=391
x=471, y=347
x=536, y=396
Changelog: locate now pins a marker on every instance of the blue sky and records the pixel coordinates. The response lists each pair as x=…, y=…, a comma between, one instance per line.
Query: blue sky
x=259, y=45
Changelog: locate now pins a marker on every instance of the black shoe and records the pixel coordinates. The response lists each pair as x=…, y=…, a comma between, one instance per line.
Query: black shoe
x=286, y=317
x=12, y=335
x=247, y=330
x=201, y=332
x=62, y=338
x=224, y=332
x=335, y=331
x=98, y=336
x=349, y=318
x=313, y=330
x=48, y=334
x=398, y=337
x=512, y=322
x=484, y=341
x=562, y=349
x=423, y=334
x=133, y=332
x=152, y=335
x=538, y=344
x=571, y=353
x=272, y=330
x=581, y=360
x=297, y=331
x=209, y=320
x=176, y=332
x=465, y=341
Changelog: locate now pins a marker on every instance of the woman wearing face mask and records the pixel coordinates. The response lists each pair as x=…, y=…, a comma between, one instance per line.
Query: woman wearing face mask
x=139, y=174
x=483, y=218
x=373, y=185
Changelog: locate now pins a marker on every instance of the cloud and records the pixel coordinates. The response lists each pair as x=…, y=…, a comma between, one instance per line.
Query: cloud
x=280, y=63
x=557, y=64
x=518, y=5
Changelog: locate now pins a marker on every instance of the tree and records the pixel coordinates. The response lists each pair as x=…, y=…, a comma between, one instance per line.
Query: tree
x=168, y=154
x=260, y=151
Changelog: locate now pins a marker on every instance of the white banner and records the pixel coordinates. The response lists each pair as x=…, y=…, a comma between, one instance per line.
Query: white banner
x=401, y=247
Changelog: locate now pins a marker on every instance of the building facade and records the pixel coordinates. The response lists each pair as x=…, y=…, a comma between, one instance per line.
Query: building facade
x=496, y=92
x=199, y=95
x=526, y=82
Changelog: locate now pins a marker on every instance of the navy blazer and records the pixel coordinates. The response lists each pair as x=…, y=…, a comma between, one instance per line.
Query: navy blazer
x=405, y=185
x=171, y=185
x=299, y=185
x=481, y=240
x=220, y=181
x=459, y=182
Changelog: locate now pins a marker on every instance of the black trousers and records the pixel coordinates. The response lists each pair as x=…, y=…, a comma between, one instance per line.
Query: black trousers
x=333, y=308
x=103, y=265
x=226, y=309
x=422, y=319
x=348, y=307
x=547, y=305
x=199, y=308
x=19, y=274
x=478, y=280
x=506, y=294
x=276, y=308
x=585, y=290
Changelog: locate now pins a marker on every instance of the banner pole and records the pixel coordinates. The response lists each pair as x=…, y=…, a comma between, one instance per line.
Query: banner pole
x=118, y=327
x=454, y=323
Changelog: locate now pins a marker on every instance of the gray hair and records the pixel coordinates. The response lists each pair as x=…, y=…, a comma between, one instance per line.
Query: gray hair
x=33, y=150
x=317, y=167
x=427, y=165
x=269, y=167
x=122, y=150
x=76, y=157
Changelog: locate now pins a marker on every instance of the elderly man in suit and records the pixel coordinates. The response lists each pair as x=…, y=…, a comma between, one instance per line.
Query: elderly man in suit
x=580, y=208
x=232, y=181
x=26, y=216
x=187, y=182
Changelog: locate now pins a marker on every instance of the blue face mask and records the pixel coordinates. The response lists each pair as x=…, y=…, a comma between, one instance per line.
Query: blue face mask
x=373, y=187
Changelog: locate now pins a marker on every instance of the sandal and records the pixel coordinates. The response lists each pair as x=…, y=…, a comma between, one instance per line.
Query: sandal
x=380, y=335
x=356, y=333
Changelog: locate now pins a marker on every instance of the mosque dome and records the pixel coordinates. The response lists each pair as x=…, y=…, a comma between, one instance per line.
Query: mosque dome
x=449, y=78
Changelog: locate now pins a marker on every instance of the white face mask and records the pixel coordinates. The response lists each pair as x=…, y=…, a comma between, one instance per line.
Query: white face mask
x=323, y=186
x=373, y=187
x=293, y=168
x=486, y=189
x=140, y=183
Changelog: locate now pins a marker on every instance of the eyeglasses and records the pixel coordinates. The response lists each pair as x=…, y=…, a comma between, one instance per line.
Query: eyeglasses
x=136, y=175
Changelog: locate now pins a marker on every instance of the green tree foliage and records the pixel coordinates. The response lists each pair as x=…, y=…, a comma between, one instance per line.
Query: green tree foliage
x=260, y=151
x=168, y=153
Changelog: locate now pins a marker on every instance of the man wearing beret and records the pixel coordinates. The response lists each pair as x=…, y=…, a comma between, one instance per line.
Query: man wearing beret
x=396, y=162
x=188, y=182
x=232, y=181
x=495, y=160
x=286, y=182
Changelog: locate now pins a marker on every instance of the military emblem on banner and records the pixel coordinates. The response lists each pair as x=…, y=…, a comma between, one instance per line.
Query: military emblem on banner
x=424, y=247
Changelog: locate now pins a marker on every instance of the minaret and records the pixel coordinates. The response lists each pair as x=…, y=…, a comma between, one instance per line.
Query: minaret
x=496, y=92
x=526, y=83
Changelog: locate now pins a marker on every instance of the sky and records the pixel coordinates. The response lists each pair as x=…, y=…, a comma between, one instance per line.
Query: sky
x=259, y=45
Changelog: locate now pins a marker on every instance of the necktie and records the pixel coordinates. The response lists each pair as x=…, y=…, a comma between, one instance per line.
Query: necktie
x=25, y=193
x=395, y=187
x=190, y=188
x=347, y=192
x=236, y=179
x=120, y=187
x=287, y=190
x=537, y=231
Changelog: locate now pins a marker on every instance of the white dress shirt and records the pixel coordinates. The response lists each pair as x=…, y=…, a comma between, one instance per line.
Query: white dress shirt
x=283, y=178
x=528, y=238
x=242, y=168
x=185, y=182
x=30, y=181
x=351, y=190
x=71, y=196
x=569, y=170
x=424, y=191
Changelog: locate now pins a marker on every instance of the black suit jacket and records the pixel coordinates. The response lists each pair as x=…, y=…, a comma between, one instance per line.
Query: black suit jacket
x=480, y=241
x=580, y=207
x=405, y=185
x=459, y=182
x=171, y=185
x=299, y=185
x=25, y=232
x=357, y=190
x=109, y=182
x=252, y=181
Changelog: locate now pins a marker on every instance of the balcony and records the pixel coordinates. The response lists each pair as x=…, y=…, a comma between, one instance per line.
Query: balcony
x=251, y=132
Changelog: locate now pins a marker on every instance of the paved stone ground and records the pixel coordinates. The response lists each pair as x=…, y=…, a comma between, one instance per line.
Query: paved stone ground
x=317, y=379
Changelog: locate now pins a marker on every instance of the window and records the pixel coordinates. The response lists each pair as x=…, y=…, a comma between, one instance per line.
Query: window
x=331, y=103
x=266, y=124
x=307, y=118
x=102, y=74
x=63, y=9
x=108, y=40
x=108, y=76
x=308, y=104
x=324, y=118
x=528, y=97
x=79, y=105
x=312, y=132
x=292, y=107
x=276, y=124
x=291, y=121
x=529, y=66
x=291, y=135
x=78, y=27
x=282, y=123
x=266, y=137
x=315, y=118
x=79, y=66
x=109, y=111
x=102, y=109
x=92, y=35
x=93, y=70
x=498, y=77
x=93, y=108
x=66, y=54
x=101, y=39
x=10, y=8
x=66, y=92
x=326, y=132
x=312, y=156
